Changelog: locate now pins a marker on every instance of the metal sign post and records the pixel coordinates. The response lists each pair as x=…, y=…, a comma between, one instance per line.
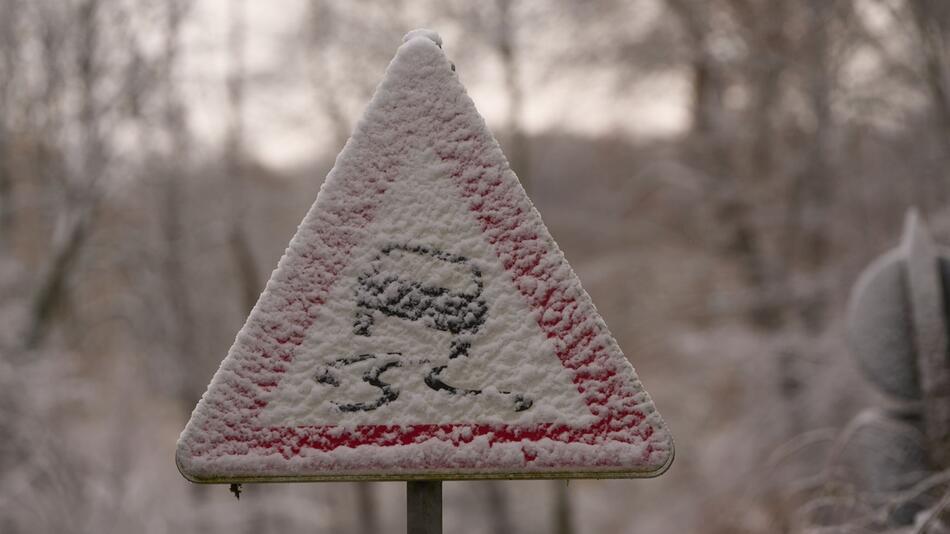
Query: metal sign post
x=424, y=507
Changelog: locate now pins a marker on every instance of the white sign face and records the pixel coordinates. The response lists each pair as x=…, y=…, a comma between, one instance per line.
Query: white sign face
x=423, y=323
x=436, y=324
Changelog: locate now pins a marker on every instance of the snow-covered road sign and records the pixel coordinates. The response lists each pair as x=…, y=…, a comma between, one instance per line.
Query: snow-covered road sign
x=423, y=323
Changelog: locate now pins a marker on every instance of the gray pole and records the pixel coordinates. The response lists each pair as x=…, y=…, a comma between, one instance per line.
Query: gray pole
x=424, y=507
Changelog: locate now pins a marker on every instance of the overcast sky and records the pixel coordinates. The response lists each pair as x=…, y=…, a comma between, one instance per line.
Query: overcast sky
x=284, y=126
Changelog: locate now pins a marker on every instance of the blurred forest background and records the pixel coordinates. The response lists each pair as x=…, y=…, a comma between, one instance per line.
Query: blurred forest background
x=718, y=172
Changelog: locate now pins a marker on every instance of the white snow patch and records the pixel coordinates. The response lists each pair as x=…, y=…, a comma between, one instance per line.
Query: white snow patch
x=424, y=33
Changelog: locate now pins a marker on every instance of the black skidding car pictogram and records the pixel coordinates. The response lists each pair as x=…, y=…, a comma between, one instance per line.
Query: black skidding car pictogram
x=384, y=289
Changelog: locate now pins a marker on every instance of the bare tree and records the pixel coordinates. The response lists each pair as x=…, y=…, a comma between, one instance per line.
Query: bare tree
x=83, y=188
x=506, y=43
x=932, y=22
x=249, y=279
x=320, y=31
x=347, y=46
x=177, y=142
x=806, y=228
x=9, y=52
x=694, y=19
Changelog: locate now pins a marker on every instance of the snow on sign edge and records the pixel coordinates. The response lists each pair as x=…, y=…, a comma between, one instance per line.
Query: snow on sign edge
x=221, y=442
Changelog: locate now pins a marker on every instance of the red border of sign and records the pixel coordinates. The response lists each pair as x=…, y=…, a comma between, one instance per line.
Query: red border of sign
x=532, y=261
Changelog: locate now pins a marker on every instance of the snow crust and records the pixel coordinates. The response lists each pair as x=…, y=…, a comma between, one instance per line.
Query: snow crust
x=879, y=327
x=425, y=34
x=423, y=321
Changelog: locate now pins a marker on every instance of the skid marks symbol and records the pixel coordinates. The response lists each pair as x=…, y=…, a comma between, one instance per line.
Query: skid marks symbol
x=372, y=376
x=521, y=403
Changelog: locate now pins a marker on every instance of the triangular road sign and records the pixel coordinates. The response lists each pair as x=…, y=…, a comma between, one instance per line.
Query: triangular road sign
x=423, y=323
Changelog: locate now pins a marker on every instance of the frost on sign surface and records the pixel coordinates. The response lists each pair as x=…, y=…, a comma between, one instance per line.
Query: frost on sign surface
x=423, y=323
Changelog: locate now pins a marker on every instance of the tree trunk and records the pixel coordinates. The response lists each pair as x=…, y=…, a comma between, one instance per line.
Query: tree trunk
x=9, y=49
x=184, y=336
x=806, y=239
x=518, y=149
x=932, y=20
x=242, y=254
x=82, y=199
